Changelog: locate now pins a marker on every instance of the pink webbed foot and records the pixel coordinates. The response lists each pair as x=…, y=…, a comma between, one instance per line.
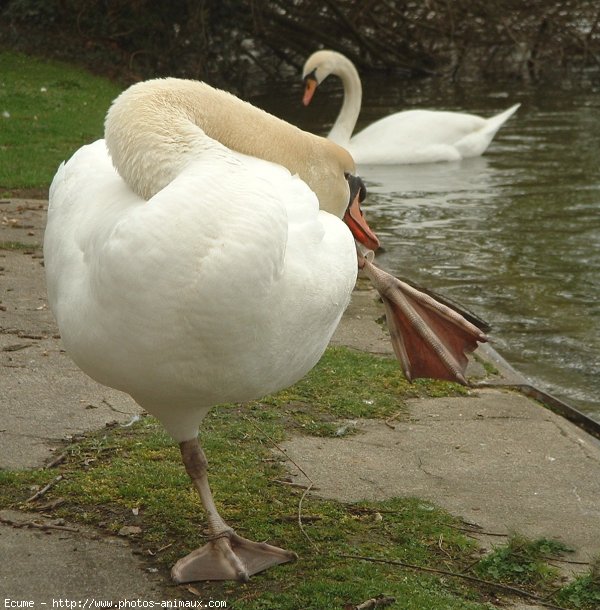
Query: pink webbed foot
x=229, y=557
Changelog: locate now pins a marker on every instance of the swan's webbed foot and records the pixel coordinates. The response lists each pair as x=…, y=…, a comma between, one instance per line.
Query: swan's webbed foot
x=430, y=339
x=229, y=557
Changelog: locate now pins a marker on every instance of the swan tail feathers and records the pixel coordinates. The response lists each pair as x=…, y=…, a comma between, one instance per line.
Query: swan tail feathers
x=430, y=338
x=477, y=142
x=494, y=123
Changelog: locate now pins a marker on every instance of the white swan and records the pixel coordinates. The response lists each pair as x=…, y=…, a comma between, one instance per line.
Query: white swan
x=199, y=271
x=411, y=136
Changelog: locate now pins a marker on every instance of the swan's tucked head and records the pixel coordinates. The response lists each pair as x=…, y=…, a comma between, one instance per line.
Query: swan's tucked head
x=154, y=128
x=317, y=68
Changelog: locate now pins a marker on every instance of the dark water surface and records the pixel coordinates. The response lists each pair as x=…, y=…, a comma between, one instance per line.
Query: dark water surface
x=513, y=235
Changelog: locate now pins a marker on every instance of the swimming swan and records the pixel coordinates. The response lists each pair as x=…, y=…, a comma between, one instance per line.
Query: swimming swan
x=197, y=255
x=411, y=136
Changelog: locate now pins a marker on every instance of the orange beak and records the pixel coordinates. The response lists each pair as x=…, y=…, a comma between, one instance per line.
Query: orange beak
x=310, y=86
x=358, y=225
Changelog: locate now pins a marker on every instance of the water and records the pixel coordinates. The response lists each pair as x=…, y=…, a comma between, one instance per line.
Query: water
x=513, y=235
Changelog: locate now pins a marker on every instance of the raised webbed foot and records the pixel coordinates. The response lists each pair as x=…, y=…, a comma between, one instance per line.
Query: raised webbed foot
x=430, y=338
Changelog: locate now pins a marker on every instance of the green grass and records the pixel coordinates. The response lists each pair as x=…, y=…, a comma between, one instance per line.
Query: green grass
x=15, y=245
x=524, y=563
x=344, y=386
x=584, y=592
x=47, y=111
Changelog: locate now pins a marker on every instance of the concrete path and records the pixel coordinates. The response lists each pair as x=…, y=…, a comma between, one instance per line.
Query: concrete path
x=496, y=458
x=73, y=563
x=44, y=397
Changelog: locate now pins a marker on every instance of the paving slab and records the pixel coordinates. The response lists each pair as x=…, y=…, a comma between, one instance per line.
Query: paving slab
x=44, y=398
x=73, y=564
x=496, y=458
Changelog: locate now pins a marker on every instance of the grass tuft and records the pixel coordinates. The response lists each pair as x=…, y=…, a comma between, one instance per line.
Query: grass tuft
x=584, y=592
x=522, y=561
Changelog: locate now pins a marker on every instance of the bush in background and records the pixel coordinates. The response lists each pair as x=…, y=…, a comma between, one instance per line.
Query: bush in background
x=237, y=43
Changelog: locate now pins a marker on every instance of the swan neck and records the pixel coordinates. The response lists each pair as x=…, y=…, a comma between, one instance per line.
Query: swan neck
x=342, y=129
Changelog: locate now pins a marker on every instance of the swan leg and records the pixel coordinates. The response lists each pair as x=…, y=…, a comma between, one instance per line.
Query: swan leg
x=226, y=556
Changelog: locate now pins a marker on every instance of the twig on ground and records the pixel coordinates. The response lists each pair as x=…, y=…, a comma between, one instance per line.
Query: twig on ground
x=292, y=484
x=564, y=560
x=41, y=526
x=440, y=546
x=375, y=602
x=390, y=419
x=309, y=487
x=41, y=492
x=56, y=461
x=474, y=530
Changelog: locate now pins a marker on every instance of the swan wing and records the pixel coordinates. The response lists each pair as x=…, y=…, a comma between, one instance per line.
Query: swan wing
x=413, y=136
x=422, y=136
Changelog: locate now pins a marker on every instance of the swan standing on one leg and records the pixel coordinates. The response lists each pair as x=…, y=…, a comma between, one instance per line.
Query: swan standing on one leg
x=412, y=136
x=188, y=267
x=193, y=274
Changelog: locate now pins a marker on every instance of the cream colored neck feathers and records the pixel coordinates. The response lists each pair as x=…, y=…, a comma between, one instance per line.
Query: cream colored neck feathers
x=155, y=127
